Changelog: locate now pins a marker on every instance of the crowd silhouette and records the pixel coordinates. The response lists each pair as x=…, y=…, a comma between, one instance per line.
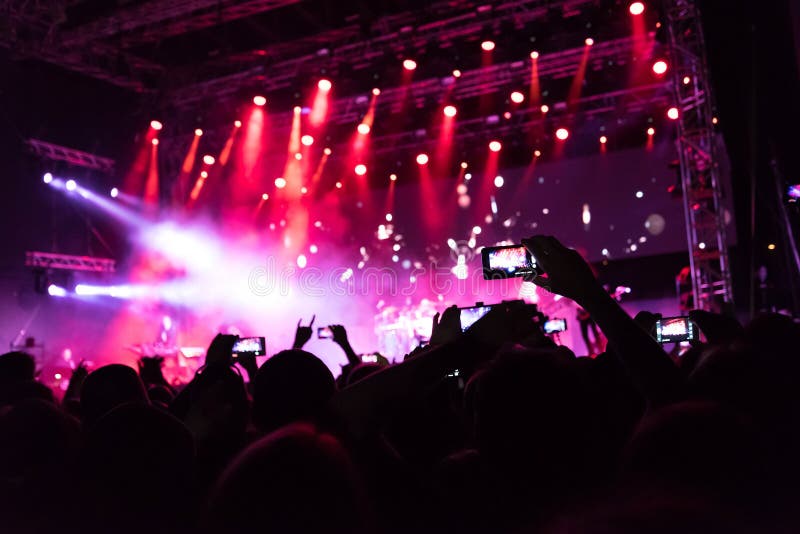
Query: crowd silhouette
x=525, y=437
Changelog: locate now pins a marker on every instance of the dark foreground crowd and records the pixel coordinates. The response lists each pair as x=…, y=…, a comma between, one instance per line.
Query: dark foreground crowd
x=492, y=430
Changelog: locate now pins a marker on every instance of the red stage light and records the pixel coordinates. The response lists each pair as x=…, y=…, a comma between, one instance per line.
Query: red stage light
x=464, y=165
x=517, y=97
x=562, y=133
x=589, y=41
x=238, y=124
x=603, y=139
x=360, y=169
x=534, y=55
x=393, y=177
x=651, y=131
x=495, y=146
x=450, y=111
x=376, y=91
x=324, y=85
x=303, y=190
x=545, y=108
x=537, y=153
x=686, y=80
x=259, y=100
x=673, y=113
x=280, y=182
x=203, y=174
x=208, y=159
x=422, y=159
x=327, y=151
x=363, y=128
x=636, y=8
x=338, y=185
x=456, y=73
x=307, y=140
x=660, y=67
x=198, y=132
x=156, y=125
x=409, y=64
x=487, y=46
x=265, y=196
x=154, y=141
x=499, y=181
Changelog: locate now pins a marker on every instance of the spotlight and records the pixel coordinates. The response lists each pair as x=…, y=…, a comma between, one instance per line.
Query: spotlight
x=208, y=159
x=376, y=91
x=487, y=46
x=603, y=139
x=589, y=41
x=259, y=100
x=545, y=108
x=456, y=73
x=71, y=185
x=476, y=230
x=47, y=178
x=534, y=55
x=265, y=196
x=660, y=67
x=363, y=128
x=203, y=174
x=114, y=192
x=313, y=249
x=327, y=151
x=495, y=146
x=324, y=85
x=537, y=153
x=393, y=177
x=237, y=123
x=156, y=125
x=198, y=132
x=562, y=133
x=280, y=183
x=636, y=8
x=298, y=156
x=686, y=80
x=422, y=159
x=303, y=190
x=389, y=217
x=302, y=261
x=450, y=111
x=155, y=142
x=360, y=169
x=464, y=165
x=651, y=131
x=307, y=140
x=338, y=185
x=499, y=181
x=673, y=113
x=517, y=97
x=409, y=64
x=56, y=291
x=297, y=110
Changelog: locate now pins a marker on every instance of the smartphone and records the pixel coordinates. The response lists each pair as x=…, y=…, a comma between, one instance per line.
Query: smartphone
x=472, y=314
x=675, y=330
x=324, y=332
x=508, y=262
x=369, y=358
x=250, y=345
x=554, y=326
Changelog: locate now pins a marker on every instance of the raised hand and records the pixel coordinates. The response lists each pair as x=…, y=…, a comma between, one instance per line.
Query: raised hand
x=447, y=327
x=220, y=352
x=566, y=272
x=339, y=334
x=303, y=333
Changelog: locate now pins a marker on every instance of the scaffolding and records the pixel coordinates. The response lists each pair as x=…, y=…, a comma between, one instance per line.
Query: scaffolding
x=701, y=179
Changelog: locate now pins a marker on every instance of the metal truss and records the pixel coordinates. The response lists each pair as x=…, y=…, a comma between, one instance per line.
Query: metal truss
x=54, y=152
x=699, y=159
x=48, y=260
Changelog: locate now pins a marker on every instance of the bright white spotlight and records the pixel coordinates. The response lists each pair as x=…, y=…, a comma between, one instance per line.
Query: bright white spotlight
x=476, y=230
x=422, y=159
x=302, y=261
x=324, y=85
x=208, y=159
x=363, y=128
x=636, y=8
x=409, y=64
x=603, y=139
x=71, y=185
x=534, y=55
x=450, y=111
x=156, y=125
x=259, y=100
x=56, y=291
x=280, y=183
x=673, y=113
x=47, y=178
x=660, y=67
x=517, y=97
x=651, y=131
x=360, y=169
x=237, y=123
x=495, y=146
x=499, y=181
x=487, y=46
x=562, y=134
x=198, y=132
x=589, y=41
x=114, y=192
x=307, y=140
x=545, y=108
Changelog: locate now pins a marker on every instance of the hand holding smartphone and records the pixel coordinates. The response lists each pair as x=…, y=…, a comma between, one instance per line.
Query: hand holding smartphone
x=675, y=330
x=324, y=332
x=508, y=262
x=253, y=346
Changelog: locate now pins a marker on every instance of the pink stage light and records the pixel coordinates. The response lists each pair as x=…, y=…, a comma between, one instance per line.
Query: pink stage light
x=259, y=100
x=673, y=113
x=393, y=177
x=422, y=159
x=660, y=67
x=376, y=91
x=237, y=124
x=208, y=159
x=487, y=46
x=204, y=174
x=156, y=125
x=651, y=131
x=307, y=140
x=360, y=169
x=198, y=132
x=517, y=97
x=636, y=8
x=495, y=146
x=265, y=196
x=603, y=139
x=562, y=134
x=327, y=151
x=280, y=183
x=324, y=85
x=499, y=181
x=56, y=291
x=534, y=55
x=363, y=128
x=155, y=142
x=338, y=185
x=589, y=41
x=450, y=111
x=545, y=108
x=456, y=73
x=114, y=192
x=409, y=64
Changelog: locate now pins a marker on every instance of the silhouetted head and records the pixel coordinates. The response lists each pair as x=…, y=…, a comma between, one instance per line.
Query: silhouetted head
x=295, y=480
x=293, y=385
x=16, y=367
x=108, y=387
x=362, y=371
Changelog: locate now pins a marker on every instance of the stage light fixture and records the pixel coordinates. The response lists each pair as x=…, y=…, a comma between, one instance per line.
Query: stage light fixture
x=376, y=91
x=156, y=125
x=499, y=181
x=327, y=151
x=495, y=146
x=56, y=291
x=422, y=159
x=264, y=196
x=324, y=85
x=307, y=140
x=687, y=80
x=208, y=159
x=154, y=142
x=280, y=182
x=589, y=41
x=203, y=174
x=450, y=111
x=393, y=177
x=47, y=178
x=562, y=134
x=259, y=100
x=456, y=73
x=673, y=113
x=517, y=97
x=476, y=230
x=198, y=132
x=360, y=169
x=534, y=55
x=537, y=153
x=464, y=165
x=363, y=128
x=298, y=156
x=409, y=64
x=651, y=131
x=302, y=261
x=603, y=139
x=237, y=124
x=636, y=8
x=303, y=190
x=114, y=192
x=487, y=45
x=660, y=67
x=71, y=185
x=545, y=108
x=338, y=185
